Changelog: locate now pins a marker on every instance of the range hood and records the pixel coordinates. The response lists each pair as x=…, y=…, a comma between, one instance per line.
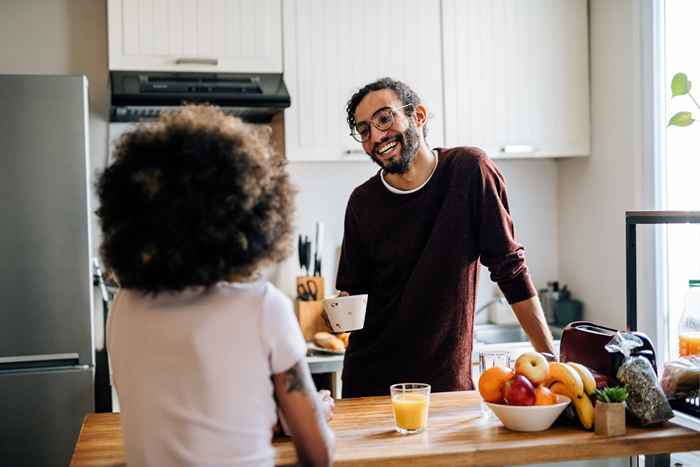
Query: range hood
x=142, y=95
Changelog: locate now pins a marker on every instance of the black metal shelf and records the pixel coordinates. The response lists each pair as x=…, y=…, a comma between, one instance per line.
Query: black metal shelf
x=632, y=219
x=690, y=405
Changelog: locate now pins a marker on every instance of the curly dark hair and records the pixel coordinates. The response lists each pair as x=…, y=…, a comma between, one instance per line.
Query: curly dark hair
x=193, y=199
x=402, y=90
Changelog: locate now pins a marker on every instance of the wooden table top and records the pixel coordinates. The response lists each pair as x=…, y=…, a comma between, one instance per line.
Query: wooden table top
x=457, y=434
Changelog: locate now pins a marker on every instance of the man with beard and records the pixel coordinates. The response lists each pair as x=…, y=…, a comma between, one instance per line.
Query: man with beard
x=414, y=236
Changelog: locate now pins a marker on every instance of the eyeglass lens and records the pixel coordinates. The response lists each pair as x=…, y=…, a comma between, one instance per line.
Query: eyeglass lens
x=382, y=120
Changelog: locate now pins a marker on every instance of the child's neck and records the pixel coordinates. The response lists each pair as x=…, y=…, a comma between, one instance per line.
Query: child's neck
x=243, y=278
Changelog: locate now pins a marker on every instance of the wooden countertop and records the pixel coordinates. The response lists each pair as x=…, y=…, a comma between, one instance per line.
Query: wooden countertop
x=456, y=435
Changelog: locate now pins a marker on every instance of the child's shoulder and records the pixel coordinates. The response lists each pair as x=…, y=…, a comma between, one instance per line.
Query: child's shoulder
x=271, y=297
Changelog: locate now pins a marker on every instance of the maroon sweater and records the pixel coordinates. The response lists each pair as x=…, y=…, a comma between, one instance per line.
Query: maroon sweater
x=417, y=256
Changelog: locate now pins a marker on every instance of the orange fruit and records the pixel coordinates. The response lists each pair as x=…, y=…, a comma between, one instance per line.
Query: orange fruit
x=491, y=383
x=544, y=395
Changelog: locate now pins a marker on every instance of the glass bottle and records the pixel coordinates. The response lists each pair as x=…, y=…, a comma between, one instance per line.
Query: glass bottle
x=689, y=329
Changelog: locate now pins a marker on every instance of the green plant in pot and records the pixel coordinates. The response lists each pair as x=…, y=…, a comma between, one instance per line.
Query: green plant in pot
x=610, y=410
x=680, y=86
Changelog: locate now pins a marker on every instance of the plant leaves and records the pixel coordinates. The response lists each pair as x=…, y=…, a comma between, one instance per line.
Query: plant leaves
x=612, y=394
x=681, y=119
x=680, y=85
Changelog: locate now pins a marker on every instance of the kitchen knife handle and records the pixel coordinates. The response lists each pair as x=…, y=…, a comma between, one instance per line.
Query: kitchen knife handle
x=300, y=252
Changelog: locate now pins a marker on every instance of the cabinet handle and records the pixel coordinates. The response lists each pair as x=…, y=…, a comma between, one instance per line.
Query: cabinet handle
x=197, y=61
x=350, y=152
x=517, y=149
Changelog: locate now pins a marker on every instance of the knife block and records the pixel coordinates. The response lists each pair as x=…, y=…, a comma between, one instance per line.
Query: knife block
x=308, y=313
x=318, y=280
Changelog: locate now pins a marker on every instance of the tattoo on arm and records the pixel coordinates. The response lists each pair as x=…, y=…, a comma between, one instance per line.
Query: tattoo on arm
x=294, y=380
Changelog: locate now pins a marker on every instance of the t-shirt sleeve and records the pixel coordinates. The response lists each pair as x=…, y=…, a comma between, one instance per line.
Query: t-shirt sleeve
x=280, y=331
x=499, y=250
x=353, y=267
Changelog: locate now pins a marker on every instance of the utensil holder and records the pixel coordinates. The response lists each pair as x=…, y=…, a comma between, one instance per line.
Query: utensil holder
x=318, y=280
x=309, y=316
x=308, y=312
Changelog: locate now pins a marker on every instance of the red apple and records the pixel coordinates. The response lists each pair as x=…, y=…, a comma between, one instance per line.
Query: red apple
x=601, y=380
x=519, y=391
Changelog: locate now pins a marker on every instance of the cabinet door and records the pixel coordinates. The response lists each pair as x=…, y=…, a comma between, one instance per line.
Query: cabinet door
x=333, y=47
x=195, y=35
x=516, y=76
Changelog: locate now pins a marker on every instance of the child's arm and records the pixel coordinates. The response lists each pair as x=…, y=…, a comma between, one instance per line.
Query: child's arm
x=296, y=397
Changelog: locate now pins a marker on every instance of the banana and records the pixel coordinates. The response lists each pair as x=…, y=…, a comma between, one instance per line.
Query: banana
x=585, y=411
x=586, y=377
x=561, y=388
x=563, y=373
x=582, y=403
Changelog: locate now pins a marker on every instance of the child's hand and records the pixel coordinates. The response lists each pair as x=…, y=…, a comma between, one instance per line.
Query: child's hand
x=327, y=403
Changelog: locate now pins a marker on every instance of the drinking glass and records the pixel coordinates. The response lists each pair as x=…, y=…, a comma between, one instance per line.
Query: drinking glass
x=410, y=402
x=489, y=359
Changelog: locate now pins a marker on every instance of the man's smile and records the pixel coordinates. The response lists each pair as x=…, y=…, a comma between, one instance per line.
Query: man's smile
x=387, y=147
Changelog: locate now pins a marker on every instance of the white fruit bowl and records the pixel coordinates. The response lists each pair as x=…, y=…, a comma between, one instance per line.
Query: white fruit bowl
x=529, y=417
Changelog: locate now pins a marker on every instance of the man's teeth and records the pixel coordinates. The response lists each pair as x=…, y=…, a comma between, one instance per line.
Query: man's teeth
x=386, y=148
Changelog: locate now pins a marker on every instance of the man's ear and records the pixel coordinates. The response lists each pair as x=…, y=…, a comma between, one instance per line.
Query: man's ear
x=421, y=115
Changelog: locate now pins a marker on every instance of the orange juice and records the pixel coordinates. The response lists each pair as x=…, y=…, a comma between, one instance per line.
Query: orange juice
x=689, y=344
x=410, y=410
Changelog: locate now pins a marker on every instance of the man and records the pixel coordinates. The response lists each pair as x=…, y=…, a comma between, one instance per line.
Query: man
x=414, y=235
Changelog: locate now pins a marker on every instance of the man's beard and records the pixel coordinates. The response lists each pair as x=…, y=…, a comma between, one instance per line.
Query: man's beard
x=409, y=148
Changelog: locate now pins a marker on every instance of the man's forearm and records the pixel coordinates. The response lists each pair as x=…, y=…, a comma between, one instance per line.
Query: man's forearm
x=531, y=317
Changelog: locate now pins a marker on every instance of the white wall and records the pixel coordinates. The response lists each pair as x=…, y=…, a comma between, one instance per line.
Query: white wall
x=594, y=193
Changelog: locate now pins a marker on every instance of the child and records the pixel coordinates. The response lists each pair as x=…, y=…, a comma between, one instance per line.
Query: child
x=201, y=348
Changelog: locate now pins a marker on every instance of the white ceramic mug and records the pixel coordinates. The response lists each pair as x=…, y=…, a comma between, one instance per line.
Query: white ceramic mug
x=346, y=313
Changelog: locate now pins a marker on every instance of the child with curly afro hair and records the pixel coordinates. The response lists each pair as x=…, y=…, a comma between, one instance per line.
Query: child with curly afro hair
x=204, y=352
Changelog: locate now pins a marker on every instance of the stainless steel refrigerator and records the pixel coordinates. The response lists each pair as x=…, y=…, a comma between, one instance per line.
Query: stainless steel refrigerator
x=46, y=345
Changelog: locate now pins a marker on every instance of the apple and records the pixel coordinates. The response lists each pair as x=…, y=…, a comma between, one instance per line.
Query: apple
x=601, y=380
x=533, y=366
x=519, y=391
x=544, y=396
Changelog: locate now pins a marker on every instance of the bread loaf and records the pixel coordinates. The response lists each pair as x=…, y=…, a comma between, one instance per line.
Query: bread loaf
x=345, y=337
x=328, y=341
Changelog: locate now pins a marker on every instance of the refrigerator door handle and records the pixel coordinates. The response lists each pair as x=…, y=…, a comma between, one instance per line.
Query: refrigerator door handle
x=48, y=358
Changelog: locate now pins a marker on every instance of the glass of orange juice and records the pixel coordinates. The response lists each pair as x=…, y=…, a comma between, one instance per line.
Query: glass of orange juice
x=689, y=344
x=410, y=402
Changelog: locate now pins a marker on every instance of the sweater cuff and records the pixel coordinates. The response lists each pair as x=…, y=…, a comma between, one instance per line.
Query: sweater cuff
x=518, y=288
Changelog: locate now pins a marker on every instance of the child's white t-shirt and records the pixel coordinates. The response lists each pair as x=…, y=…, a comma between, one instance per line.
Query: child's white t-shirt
x=192, y=372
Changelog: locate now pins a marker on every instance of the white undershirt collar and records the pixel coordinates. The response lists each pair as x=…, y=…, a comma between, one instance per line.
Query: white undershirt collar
x=405, y=192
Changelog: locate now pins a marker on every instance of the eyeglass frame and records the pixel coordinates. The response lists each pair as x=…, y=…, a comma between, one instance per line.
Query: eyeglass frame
x=394, y=110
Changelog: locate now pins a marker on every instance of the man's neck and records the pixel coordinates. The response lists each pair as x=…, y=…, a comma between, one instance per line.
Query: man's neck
x=419, y=171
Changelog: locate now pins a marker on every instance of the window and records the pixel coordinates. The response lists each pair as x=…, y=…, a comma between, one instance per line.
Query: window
x=681, y=159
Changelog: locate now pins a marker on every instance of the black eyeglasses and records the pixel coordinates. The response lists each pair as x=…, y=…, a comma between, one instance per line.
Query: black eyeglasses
x=381, y=120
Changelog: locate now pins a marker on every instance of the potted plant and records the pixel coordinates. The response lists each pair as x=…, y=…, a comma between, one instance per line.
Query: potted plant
x=610, y=410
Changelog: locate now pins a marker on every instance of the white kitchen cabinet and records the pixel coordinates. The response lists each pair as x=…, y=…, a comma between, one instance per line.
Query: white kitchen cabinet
x=333, y=47
x=516, y=76
x=195, y=35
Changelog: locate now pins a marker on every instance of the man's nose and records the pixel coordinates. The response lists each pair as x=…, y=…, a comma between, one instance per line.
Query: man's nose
x=375, y=134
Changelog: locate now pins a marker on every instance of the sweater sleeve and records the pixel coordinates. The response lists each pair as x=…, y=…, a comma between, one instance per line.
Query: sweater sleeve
x=499, y=251
x=353, y=268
